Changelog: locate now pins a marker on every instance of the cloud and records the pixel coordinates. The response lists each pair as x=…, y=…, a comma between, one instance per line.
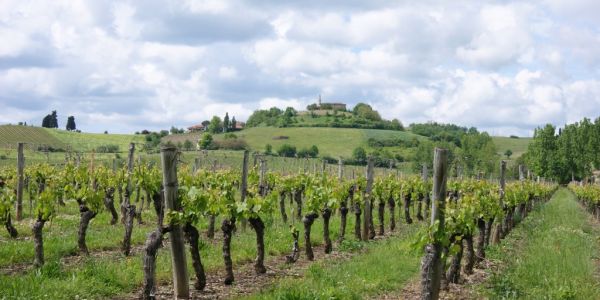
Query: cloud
x=503, y=66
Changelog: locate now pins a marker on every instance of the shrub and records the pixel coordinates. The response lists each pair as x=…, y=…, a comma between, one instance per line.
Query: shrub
x=287, y=150
x=188, y=145
x=110, y=148
x=206, y=142
x=268, y=149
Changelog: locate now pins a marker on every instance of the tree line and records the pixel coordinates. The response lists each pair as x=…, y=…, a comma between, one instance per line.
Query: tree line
x=571, y=153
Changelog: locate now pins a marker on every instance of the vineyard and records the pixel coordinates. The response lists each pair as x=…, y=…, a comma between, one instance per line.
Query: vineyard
x=222, y=215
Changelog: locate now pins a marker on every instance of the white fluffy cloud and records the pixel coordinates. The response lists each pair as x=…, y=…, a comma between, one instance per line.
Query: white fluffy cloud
x=506, y=67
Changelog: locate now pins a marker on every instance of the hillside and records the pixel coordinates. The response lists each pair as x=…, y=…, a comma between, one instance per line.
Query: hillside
x=34, y=137
x=86, y=142
x=517, y=146
x=331, y=141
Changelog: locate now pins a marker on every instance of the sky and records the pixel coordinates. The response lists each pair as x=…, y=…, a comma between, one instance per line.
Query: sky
x=505, y=67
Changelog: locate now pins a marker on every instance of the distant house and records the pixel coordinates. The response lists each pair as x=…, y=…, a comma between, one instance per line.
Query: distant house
x=239, y=125
x=196, y=128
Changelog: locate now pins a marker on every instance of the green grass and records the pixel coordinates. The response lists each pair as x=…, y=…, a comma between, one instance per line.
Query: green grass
x=552, y=255
x=330, y=141
x=517, y=146
x=384, y=267
x=86, y=142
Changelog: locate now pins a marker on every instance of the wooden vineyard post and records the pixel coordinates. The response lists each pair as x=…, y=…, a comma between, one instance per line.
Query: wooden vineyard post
x=180, y=277
x=424, y=176
x=244, y=183
x=521, y=172
x=20, y=168
x=129, y=169
x=340, y=169
x=498, y=227
x=323, y=166
x=431, y=265
x=367, y=219
x=261, y=178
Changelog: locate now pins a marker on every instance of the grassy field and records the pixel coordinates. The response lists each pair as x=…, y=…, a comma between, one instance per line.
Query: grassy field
x=517, y=146
x=86, y=142
x=552, y=255
x=331, y=141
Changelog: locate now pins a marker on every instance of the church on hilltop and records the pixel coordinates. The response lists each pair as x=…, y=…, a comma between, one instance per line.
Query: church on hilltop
x=326, y=106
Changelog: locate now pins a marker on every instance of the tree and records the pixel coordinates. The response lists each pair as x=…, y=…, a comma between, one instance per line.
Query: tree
x=206, y=141
x=233, y=123
x=508, y=153
x=268, y=149
x=71, y=123
x=226, y=122
x=397, y=125
x=215, y=125
x=314, y=151
x=359, y=154
x=54, y=123
x=366, y=111
x=174, y=130
x=47, y=121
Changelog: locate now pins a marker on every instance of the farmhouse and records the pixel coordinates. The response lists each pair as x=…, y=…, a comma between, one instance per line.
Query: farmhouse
x=196, y=128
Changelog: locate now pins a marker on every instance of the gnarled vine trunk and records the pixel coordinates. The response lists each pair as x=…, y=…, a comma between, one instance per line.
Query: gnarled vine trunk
x=469, y=254
x=392, y=207
x=282, y=207
x=453, y=274
x=407, y=209
x=381, y=216
x=109, y=203
x=420, y=209
x=343, y=220
x=357, y=213
x=86, y=215
x=38, y=242
x=292, y=258
x=210, y=232
x=259, y=227
x=480, y=241
x=488, y=231
x=157, y=200
x=308, y=220
x=298, y=198
x=153, y=243
x=12, y=231
x=227, y=226
x=326, y=216
x=192, y=236
x=129, y=217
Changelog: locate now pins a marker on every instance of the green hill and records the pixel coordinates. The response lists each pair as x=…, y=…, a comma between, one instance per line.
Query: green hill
x=331, y=141
x=86, y=142
x=34, y=137
x=517, y=146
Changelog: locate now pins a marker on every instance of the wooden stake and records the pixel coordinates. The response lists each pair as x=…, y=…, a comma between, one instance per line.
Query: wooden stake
x=367, y=219
x=180, y=275
x=20, y=171
x=431, y=266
